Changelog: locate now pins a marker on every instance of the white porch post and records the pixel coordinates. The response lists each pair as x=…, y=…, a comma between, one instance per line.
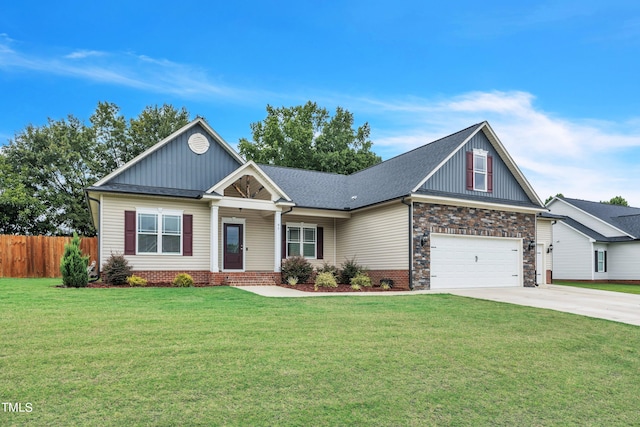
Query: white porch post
x=277, y=237
x=213, y=241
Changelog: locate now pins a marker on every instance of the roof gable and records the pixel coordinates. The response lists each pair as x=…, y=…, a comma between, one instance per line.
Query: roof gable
x=252, y=169
x=605, y=218
x=175, y=163
x=450, y=177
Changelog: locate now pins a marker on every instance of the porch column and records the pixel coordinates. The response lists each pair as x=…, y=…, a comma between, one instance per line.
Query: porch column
x=277, y=240
x=213, y=241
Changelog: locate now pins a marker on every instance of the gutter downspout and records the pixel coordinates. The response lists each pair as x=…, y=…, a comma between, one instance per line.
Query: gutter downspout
x=89, y=200
x=410, y=241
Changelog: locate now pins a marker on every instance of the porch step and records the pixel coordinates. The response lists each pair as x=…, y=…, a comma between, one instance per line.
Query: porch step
x=249, y=281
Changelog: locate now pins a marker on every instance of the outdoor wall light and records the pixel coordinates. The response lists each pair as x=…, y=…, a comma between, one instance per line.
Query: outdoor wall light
x=424, y=239
x=532, y=244
x=550, y=248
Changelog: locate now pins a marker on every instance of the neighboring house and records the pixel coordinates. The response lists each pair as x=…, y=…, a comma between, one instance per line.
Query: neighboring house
x=544, y=247
x=457, y=212
x=596, y=241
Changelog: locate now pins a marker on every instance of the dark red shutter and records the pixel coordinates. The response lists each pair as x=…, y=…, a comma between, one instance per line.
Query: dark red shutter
x=129, y=232
x=187, y=236
x=283, y=255
x=320, y=243
x=469, y=170
x=490, y=174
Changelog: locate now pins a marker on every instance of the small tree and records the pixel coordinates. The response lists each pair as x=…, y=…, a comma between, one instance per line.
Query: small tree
x=73, y=265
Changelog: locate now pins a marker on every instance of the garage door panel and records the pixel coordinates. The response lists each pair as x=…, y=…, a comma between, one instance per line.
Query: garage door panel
x=469, y=261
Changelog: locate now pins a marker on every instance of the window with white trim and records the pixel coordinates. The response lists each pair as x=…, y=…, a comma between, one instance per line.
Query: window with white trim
x=479, y=170
x=601, y=266
x=159, y=232
x=301, y=240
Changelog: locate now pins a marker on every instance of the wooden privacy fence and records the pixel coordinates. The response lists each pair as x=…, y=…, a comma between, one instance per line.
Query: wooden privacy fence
x=38, y=256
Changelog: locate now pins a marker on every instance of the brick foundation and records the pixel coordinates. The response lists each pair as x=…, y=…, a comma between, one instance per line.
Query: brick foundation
x=400, y=277
x=166, y=276
x=433, y=218
x=622, y=282
x=247, y=278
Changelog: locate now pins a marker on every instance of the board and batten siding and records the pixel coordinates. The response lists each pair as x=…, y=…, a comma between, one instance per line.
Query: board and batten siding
x=560, y=207
x=378, y=237
x=451, y=177
x=112, y=233
x=622, y=261
x=175, y=166
x=544, y=235
x=572, y=254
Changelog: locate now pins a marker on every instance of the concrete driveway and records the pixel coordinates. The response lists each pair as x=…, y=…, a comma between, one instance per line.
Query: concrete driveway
x=616, y=306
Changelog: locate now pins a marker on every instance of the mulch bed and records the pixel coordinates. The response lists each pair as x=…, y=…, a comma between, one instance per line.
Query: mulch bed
x=308, y=287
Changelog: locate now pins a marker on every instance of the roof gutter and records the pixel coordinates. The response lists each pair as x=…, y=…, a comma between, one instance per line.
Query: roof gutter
x=410, y=240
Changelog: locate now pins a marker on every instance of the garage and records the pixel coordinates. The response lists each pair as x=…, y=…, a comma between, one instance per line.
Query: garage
x=475, y=262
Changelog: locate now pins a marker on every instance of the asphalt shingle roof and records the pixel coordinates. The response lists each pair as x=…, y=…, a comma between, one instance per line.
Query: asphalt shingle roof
x=141, y=189
x=625, y=218
x=388, y=180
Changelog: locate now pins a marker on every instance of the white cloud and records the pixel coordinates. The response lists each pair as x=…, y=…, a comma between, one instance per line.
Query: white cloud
x=81, y=54
x=588, y=159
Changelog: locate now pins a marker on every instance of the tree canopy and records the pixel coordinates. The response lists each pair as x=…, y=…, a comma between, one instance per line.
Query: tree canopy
x=617, y=200
x=308, y=137
x=45, y=169
x=550, y=198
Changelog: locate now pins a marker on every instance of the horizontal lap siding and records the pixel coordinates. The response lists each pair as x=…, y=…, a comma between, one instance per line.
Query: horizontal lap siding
x=377, y=237
x=622, y=261
x=328, y=236
x=561, y=208
x=113, y=208
x=258, y=237
x=544, y=235
x=572, y=254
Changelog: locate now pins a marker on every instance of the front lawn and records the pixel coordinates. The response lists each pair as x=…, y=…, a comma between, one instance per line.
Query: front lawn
x=223, y=356
x=614, y=287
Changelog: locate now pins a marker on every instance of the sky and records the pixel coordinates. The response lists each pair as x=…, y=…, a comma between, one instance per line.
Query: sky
x=558, y=81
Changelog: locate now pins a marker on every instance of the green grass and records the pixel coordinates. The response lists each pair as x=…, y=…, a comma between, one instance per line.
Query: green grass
x=614, y=287
x=222, y=356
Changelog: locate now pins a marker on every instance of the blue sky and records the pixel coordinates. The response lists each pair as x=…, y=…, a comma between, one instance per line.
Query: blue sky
x=557, y=80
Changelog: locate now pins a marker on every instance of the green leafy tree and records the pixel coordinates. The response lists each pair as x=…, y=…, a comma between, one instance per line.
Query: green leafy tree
x=550, y=198
x=45, y=169
x=73, y=265
x=308, y=137
x=617, y=200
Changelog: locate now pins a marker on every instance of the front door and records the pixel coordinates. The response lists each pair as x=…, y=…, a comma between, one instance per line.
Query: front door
x=233, y=247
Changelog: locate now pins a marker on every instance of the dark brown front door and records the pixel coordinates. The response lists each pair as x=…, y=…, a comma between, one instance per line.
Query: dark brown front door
x=233, y=249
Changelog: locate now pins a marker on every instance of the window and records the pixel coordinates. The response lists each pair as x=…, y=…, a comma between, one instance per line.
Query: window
x=479, y=170
x=601, y=261
x=159, y=232
x=301, y=240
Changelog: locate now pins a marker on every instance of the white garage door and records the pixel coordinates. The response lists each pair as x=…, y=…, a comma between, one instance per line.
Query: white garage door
x=474, y=262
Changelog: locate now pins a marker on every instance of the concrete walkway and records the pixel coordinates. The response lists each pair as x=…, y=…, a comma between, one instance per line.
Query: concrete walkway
x=615, y=306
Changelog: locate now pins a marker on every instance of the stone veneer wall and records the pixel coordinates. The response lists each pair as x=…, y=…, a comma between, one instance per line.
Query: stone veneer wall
x=433, y=218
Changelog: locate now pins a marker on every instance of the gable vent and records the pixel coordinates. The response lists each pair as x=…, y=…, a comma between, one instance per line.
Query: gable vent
x=198, y=143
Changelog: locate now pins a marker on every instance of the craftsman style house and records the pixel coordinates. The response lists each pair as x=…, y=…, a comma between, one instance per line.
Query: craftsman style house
x=456, y=212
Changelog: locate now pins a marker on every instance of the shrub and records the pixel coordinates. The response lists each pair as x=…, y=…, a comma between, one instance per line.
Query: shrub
x=325, y=280
x=327, y=268
x=386, y=283
x=73, y=265
x=183, y=280
x=115, y=270
x=136, y=281
x=296, y=266
x=350, y=269
x=356, y=287
x=292, y=281
x=361, y=279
